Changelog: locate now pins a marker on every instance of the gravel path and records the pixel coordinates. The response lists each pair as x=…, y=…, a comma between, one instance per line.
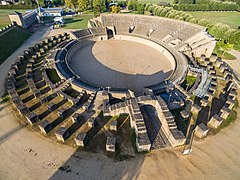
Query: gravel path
x=235, y=64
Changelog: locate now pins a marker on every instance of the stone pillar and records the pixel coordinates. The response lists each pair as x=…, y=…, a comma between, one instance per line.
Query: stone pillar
x=201, y=130
x=224, y=112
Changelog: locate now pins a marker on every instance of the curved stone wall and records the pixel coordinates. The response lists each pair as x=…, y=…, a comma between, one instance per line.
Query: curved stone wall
x=178, y=62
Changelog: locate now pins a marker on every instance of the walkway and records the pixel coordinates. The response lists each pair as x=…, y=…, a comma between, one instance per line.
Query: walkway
x=235, y=64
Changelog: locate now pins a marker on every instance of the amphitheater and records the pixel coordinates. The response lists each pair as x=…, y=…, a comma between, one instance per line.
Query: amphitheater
x=66, y=86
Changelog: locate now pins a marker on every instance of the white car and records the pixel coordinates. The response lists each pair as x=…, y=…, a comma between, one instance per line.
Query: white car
x=58, y=20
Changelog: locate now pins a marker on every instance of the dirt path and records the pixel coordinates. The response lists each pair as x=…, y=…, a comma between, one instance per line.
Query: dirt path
x=27, y=155
x=235, y=64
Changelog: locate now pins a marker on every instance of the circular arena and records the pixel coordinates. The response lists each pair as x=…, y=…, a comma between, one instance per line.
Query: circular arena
x=156, y=75
x=120, y=64
x=110, y=57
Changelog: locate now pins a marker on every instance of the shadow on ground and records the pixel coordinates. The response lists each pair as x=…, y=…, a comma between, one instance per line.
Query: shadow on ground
x=93, y=162
x=7, y=135
x=79, y=164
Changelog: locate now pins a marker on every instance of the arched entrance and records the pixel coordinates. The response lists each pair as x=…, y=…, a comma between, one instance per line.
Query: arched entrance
x=110, y=34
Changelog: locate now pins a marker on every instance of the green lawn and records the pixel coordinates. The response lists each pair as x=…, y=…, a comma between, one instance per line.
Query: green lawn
x=230, y=18
x=78, y=22
x=11, y=40
x=225, y=55
x=190, y=80
x=237, y=47
x=53, y=75
x=4, y=20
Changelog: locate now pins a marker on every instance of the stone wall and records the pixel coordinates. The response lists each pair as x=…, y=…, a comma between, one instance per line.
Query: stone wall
x=23, y=20
x=6, y=28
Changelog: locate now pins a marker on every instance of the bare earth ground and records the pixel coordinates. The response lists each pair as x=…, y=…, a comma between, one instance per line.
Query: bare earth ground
x=235, y=64
x=120, y=64
x=27, y=155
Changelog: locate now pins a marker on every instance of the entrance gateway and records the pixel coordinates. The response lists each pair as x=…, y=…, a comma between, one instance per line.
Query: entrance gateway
x=110, y=32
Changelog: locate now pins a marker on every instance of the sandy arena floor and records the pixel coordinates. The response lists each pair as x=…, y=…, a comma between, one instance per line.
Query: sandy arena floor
x=120, y=64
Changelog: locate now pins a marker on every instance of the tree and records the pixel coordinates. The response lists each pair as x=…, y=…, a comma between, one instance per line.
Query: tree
x=229, y=34
x=147, y=6
x=185, y=2
x=186, y=16
x=178, y=12
x=82, y=5
x=168, y=8
x=68, y=3
x=219, y=30
x=189, y=18
x=180, y=18
x=193, y=20
x=155, y=8
x=177, y=17
x=140, y=8
x=132, y=5
x=204, y=22
x=57, y=2
x=171, y=13
x=71, y=3
x=150, y=9
x=98, y=5
x=175, y=1
x=163, y=13
x=115, y=9
x=28, y=2
x=41, y=2
x=96, y=11
x=225, y=47
x=236, y=37
x=74, y=3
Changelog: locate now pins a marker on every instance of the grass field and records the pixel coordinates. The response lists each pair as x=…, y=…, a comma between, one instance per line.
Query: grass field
x=78, y=22
x=53, y=75
x=4, y=20
x=10, y=41
x=188, y=82
x=230, y=18
x=225, y=55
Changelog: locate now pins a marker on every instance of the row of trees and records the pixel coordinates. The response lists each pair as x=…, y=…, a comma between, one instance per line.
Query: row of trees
x=207, y=6
x=97, y=6
x=26, y=4
x=221, y=32
x=202, y=1
x=43, y=3
x=169, y=12
x=82, y=5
